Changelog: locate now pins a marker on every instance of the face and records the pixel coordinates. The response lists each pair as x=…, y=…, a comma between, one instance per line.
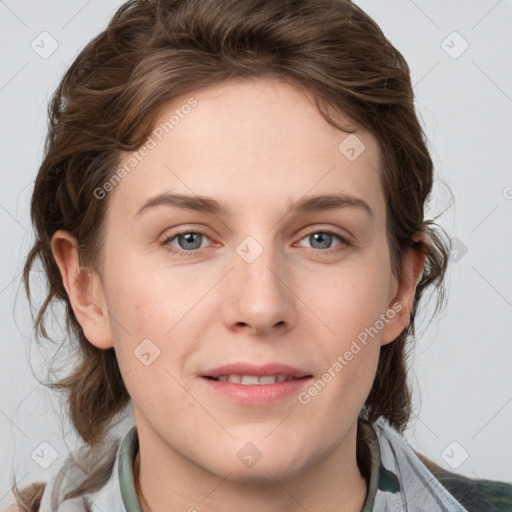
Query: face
x=259, y=280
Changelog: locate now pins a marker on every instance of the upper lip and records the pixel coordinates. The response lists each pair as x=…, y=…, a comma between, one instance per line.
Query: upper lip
x=258, y=371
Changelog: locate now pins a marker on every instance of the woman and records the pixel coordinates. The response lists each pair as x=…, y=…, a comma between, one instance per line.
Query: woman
x=231, y=208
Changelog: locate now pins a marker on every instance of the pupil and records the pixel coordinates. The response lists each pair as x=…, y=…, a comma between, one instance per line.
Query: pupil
x=322, y=238
x=188, y=238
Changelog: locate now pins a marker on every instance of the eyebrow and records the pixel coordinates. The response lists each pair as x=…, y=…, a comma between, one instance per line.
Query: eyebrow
x=303, y=205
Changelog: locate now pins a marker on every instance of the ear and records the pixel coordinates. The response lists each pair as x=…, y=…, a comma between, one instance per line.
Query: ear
x=84, y=289
x=401, y=305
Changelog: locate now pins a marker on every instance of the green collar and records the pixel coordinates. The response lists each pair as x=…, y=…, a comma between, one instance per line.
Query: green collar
x=127, y=452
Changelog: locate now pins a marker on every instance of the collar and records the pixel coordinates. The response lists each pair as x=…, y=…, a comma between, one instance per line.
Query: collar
x=126, y=456
x=404, y=484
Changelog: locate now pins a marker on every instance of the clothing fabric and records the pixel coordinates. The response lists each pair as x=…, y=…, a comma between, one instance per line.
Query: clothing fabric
x=399, y=481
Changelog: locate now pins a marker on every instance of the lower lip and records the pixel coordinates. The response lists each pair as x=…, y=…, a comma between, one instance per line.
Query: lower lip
x=257, y=394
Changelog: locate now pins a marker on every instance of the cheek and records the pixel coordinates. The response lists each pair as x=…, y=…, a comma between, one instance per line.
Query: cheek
x=349, y=299
x=141, y=307
x=155, y=312
x=354, y=298
x=351, y=359
x=148, y=299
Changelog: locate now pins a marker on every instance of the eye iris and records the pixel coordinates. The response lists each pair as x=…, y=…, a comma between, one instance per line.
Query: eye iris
x=323, y=238
x=188, y=238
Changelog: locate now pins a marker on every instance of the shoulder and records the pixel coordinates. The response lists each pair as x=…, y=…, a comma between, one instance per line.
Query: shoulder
x=475, y=495
x=81, y=475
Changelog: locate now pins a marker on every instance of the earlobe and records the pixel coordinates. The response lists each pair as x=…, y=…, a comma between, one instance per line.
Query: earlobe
x=412, y=266
x=84, y=289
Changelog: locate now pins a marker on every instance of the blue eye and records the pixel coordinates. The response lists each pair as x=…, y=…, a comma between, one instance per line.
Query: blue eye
x=323, y=240
x=188, y=242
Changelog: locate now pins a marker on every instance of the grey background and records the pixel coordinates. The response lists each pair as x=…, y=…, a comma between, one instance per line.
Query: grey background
x=463, y=387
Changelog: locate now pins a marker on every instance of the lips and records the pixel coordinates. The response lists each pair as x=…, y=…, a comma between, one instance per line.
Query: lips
x=251, y=380
x=246, y=384
x=243, y=371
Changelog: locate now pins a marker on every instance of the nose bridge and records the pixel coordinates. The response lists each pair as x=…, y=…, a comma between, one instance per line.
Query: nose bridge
x=259, y=295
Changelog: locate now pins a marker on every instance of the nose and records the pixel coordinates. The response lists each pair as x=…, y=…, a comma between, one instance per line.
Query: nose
x=258, y=296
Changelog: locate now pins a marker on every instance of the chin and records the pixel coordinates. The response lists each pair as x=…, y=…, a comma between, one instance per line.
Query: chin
x=250, y=466
x=260, y=476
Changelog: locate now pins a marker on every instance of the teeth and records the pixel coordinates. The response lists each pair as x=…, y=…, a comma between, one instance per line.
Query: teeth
x=251, y=380
x=270, y=379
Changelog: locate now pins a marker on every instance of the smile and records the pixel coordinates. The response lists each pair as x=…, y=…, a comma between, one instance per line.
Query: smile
x=250, y=380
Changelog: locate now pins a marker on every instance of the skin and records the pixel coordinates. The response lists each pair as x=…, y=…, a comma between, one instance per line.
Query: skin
x=255, y=145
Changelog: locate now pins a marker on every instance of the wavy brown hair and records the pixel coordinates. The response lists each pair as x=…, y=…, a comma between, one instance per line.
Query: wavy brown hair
x=154, y=51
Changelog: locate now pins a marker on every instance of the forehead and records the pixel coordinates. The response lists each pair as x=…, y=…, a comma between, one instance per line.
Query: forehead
x=250, y=143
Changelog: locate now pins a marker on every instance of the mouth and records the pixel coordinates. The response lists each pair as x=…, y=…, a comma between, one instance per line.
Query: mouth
x=253, y=380
x=251, y=374
x=247, y=384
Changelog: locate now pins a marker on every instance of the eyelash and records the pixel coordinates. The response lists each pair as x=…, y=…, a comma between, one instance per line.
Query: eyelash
x=344, y=242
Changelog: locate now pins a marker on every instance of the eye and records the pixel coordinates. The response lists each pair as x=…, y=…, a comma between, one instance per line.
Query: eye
x=187, y=242
x=323, y=240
